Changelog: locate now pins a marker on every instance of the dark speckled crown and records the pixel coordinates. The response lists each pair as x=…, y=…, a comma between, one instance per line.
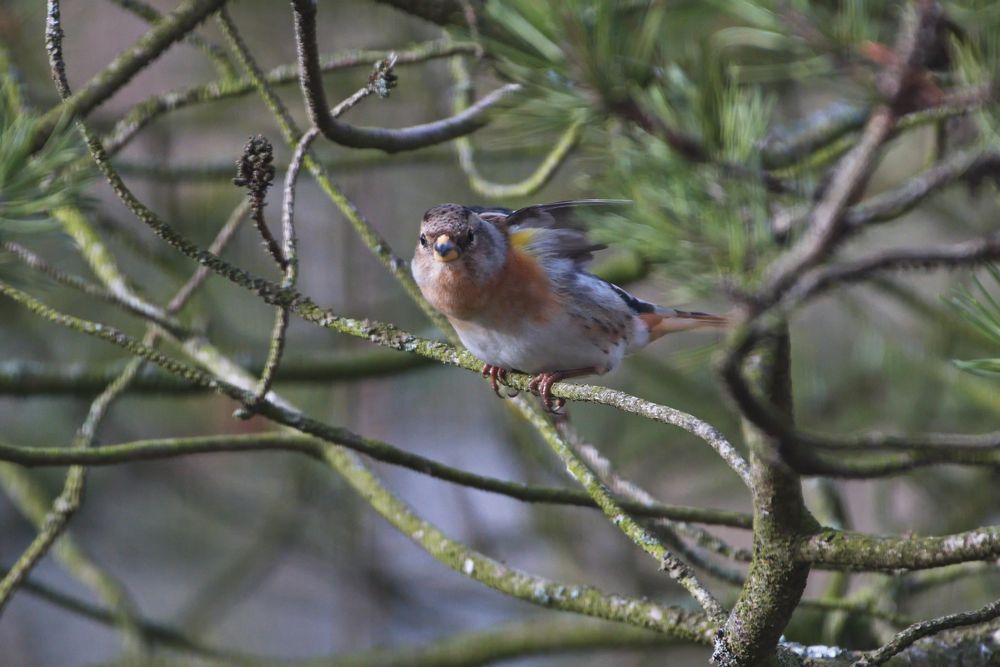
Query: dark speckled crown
x=446, y=219
x=455, y=213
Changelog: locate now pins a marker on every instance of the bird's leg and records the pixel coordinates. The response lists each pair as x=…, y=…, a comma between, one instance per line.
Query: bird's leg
x=541, y=385
x=497, y=374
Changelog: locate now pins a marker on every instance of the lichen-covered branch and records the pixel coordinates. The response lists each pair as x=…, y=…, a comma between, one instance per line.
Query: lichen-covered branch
x=835, y=549
x=147, y=111
x=581, y=599
x=777, y=576
x=675, y=568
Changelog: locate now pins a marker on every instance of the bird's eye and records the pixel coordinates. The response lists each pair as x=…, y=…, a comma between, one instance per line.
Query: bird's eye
x=423, y=240
x=471, y=237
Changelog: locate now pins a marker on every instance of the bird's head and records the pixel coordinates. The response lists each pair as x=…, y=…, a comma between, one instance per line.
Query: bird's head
x=453, y=237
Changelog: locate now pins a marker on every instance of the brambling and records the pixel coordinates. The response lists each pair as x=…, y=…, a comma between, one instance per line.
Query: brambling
x=513, y=285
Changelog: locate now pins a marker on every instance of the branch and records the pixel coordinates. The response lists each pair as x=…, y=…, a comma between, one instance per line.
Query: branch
x=668, y=531
x=846, y=550
x=69, y=499
x=513, y=640
x=126, y=65
x=390, y=141
x=785, y=147
x=971, y=165
x=154, y=632
x=102, y=263
x=946, y=256
x=675, y=568
x=149, y=450
x=153, y=16
x=389, y=335
x=369, y=236
x=32, y=500
x=27, y=378
x=380, y=81
x=442, y=12
x=910, y=635
x=900, y=85
x=826, y=217
x=777, y=577
x=352, y=162
x=799, y=449
x=134, y=306
x=544, y=592
x=147, y=111
x=554, y=159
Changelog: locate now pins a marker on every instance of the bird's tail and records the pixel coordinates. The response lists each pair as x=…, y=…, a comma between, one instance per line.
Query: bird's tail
x=670, y=320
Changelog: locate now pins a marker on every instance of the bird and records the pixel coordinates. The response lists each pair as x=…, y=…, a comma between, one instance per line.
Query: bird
x=514, y=286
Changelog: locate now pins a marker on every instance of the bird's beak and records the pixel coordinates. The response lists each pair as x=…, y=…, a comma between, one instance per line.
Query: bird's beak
x=445, y=249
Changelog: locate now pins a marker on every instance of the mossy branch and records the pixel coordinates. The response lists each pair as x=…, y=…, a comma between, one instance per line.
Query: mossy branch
x=147, y=111
x=581, y=599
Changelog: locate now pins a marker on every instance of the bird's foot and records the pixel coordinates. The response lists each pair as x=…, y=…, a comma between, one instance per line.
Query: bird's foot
x=498, y=374
x=541, y=386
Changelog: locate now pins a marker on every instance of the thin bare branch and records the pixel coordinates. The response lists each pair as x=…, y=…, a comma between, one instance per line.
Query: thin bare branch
x=390, y=141
x=146, y=450
x=174, y=26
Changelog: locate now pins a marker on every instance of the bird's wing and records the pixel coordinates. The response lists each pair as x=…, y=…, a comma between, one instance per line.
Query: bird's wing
x=560, y=214
x=554, y=230
x=496, y=215
x=544, y=243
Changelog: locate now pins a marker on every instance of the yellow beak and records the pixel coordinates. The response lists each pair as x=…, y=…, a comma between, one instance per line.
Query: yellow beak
x=445, y=249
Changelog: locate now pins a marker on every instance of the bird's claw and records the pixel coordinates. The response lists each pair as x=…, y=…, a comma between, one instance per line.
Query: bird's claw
x=541, y=386
x=498, y=374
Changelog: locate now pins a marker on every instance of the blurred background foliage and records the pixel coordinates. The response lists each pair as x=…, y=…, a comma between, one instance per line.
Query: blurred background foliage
x=33, y=184
x=267, y=554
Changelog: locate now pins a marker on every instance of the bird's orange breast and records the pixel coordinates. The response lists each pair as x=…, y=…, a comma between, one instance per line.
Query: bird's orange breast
x=523, y=289
x=520, y=290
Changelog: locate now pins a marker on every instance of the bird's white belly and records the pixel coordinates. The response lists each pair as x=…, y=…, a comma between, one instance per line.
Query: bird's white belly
x=555, y=345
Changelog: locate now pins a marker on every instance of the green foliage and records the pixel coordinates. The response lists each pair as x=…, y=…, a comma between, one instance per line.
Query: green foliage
x=710, y=71
x=982, y=309
x=32, y=185
x=589, y=60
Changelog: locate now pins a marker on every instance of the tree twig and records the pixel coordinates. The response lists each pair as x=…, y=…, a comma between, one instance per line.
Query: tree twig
x=926, y=628
x=174, y=26
x=145, y=450
x=387, y=140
